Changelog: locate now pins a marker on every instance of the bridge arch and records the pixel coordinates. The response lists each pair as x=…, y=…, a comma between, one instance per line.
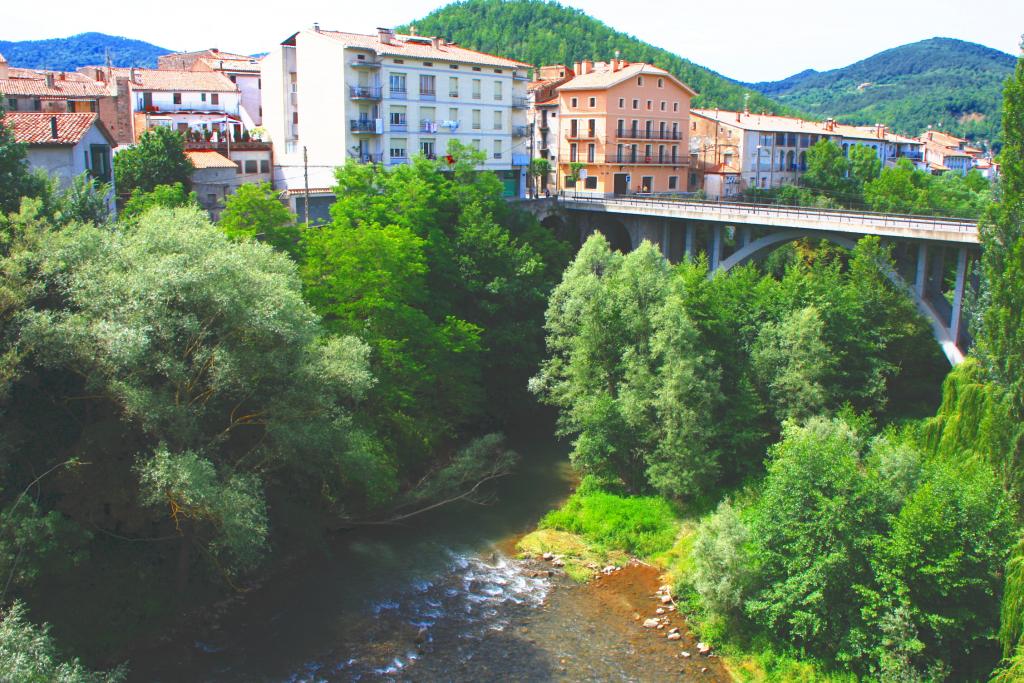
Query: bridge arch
x=941, y=330
x=615, y=231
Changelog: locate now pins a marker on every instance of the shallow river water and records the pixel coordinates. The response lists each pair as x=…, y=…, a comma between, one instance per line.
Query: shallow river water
x=438, y=599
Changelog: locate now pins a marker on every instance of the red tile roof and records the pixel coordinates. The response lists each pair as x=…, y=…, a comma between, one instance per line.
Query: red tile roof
x=207, y=158
x=421, y=47
x=602, y=77
x=36, y=128
x=73, y=88
x=175, y=81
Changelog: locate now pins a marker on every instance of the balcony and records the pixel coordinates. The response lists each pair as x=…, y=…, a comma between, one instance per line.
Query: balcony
x=580, y=135
x=520, y=131
x=366, y=126
x=637, y=134
x=370, y=157
x=520, y=76
x=428, y=95
x=364, y=92
x=402, y=127
x=365, y=64
x=398, y=93
x=520, y=103
x=648, y=160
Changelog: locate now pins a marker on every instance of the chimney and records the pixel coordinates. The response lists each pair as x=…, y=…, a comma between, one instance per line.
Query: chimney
x=385, y=35
x=435, y=42
x=53, y=127
x=49, y=80
x=412, y=30
x=5, y=70
x=576, y=69
x=588, y=66
x=131, y=75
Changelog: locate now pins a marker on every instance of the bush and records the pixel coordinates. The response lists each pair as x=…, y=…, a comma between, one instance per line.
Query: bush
x=639, y=525
x=721, y=565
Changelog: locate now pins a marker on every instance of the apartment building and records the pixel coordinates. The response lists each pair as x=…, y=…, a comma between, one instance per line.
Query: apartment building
x=628, y=124
x=200, y=104
x=243, y=72
x=542, y=118
x=330, y=96
x=739, y=150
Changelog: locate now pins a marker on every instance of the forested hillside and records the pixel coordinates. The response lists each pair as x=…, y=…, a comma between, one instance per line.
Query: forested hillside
x=950, y=84
x=67, y=54
x=541, y=32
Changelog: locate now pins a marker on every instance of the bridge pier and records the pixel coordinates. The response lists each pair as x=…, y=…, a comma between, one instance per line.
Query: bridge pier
x=715, y=257
x=691, y=230
x=956, y=316
x=922, y=269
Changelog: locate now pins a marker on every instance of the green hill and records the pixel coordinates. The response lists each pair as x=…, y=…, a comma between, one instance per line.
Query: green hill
x=67, y=54
x=539, y=32
x=942, y=82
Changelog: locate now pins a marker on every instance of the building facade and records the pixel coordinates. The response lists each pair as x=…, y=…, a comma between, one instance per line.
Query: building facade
x=66, y=145
x=627, y=125
x=765, y=151
x=244, y=73
x=330, y=96
x=542, y=119
x=944, y=152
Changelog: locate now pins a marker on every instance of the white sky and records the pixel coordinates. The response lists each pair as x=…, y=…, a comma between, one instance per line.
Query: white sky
x=750, y=40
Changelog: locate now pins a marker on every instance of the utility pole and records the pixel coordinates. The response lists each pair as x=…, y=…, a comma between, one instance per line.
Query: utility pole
x=305, y=171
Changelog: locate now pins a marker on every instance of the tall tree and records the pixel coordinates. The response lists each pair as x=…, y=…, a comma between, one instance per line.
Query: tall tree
x=157, y=159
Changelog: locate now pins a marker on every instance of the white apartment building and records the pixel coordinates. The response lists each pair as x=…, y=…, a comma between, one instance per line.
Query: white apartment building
x=244, y=73
x=384, y=98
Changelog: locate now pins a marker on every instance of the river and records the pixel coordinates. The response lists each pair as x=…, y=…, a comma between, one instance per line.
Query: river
x=439, y=598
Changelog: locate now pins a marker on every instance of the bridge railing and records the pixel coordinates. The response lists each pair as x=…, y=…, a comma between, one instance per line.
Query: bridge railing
x=936, y=223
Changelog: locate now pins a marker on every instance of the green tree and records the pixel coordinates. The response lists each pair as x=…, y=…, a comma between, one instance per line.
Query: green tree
x=792, y=361
x=865, y=166
x=157, y=159
x=898, y=189
x=255, y=211
x=162, y=196
x=827, y=170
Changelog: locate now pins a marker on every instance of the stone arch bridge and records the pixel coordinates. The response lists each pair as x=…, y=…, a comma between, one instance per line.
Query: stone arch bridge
x=933, y=255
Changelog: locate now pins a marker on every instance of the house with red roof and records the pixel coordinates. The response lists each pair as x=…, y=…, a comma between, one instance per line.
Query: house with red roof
x=65, y=145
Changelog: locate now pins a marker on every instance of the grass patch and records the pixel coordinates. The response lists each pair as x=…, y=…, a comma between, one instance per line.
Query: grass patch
x=582, y=560
x=769, y=665
x=644, y=526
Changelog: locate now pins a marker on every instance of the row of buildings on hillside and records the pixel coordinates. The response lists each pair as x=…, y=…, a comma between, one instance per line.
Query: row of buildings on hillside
x=323, y=97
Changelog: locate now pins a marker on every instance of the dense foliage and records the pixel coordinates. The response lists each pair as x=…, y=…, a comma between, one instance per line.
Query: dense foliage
x=157, y=159
x=539, y=32
x=857, y=181
x=184, y=403
x=949, y=84
x=83, y=49
x=669, y=380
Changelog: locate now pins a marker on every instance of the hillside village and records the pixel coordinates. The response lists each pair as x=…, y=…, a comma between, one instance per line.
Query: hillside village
x=289, y=118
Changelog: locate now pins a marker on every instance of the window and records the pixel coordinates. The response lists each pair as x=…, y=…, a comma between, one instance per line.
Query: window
x=399, y=61
x=428, y=64
x=622, y=103
x=100, y=166
x=264, y=166
x=636, y=104
x=234, y=79
x=176, y=97
x=663, y=104
x=661, y=82
x=453, y=114
x=453, y=66
x=499, y=92
x=295, y=117
x=476, y=119
x=252, y=166
x=569, y=181
x=497, y=149
x=498, y=121
x=675, y=106
x=202, y=97
x=398, y=148
x=215, y=98
x=453, y=86
x=427, y=87
x=673, y=182
x=475, y=144
x=574, y=128
x=12, y=104
x=396, y=118
x=211, y=198
x=428, y=149
x=640, y=80
x=573, y=154
x=650, y=105
x=590, y=182
x=592, y=102
x=620, y=128
x=396, y=83
x=693, y=180
x=591, y=152
x=573, y=102
x=727, y=158
x=591, y=128
x=238, y=167
x=476, y=88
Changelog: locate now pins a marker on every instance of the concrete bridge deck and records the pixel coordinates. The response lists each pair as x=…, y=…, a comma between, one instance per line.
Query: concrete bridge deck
x=933, y=229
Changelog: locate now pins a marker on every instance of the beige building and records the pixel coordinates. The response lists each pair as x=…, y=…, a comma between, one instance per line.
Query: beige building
x=542, y=118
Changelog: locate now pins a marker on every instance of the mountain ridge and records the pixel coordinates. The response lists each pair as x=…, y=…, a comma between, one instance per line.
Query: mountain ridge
x=81, y=49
